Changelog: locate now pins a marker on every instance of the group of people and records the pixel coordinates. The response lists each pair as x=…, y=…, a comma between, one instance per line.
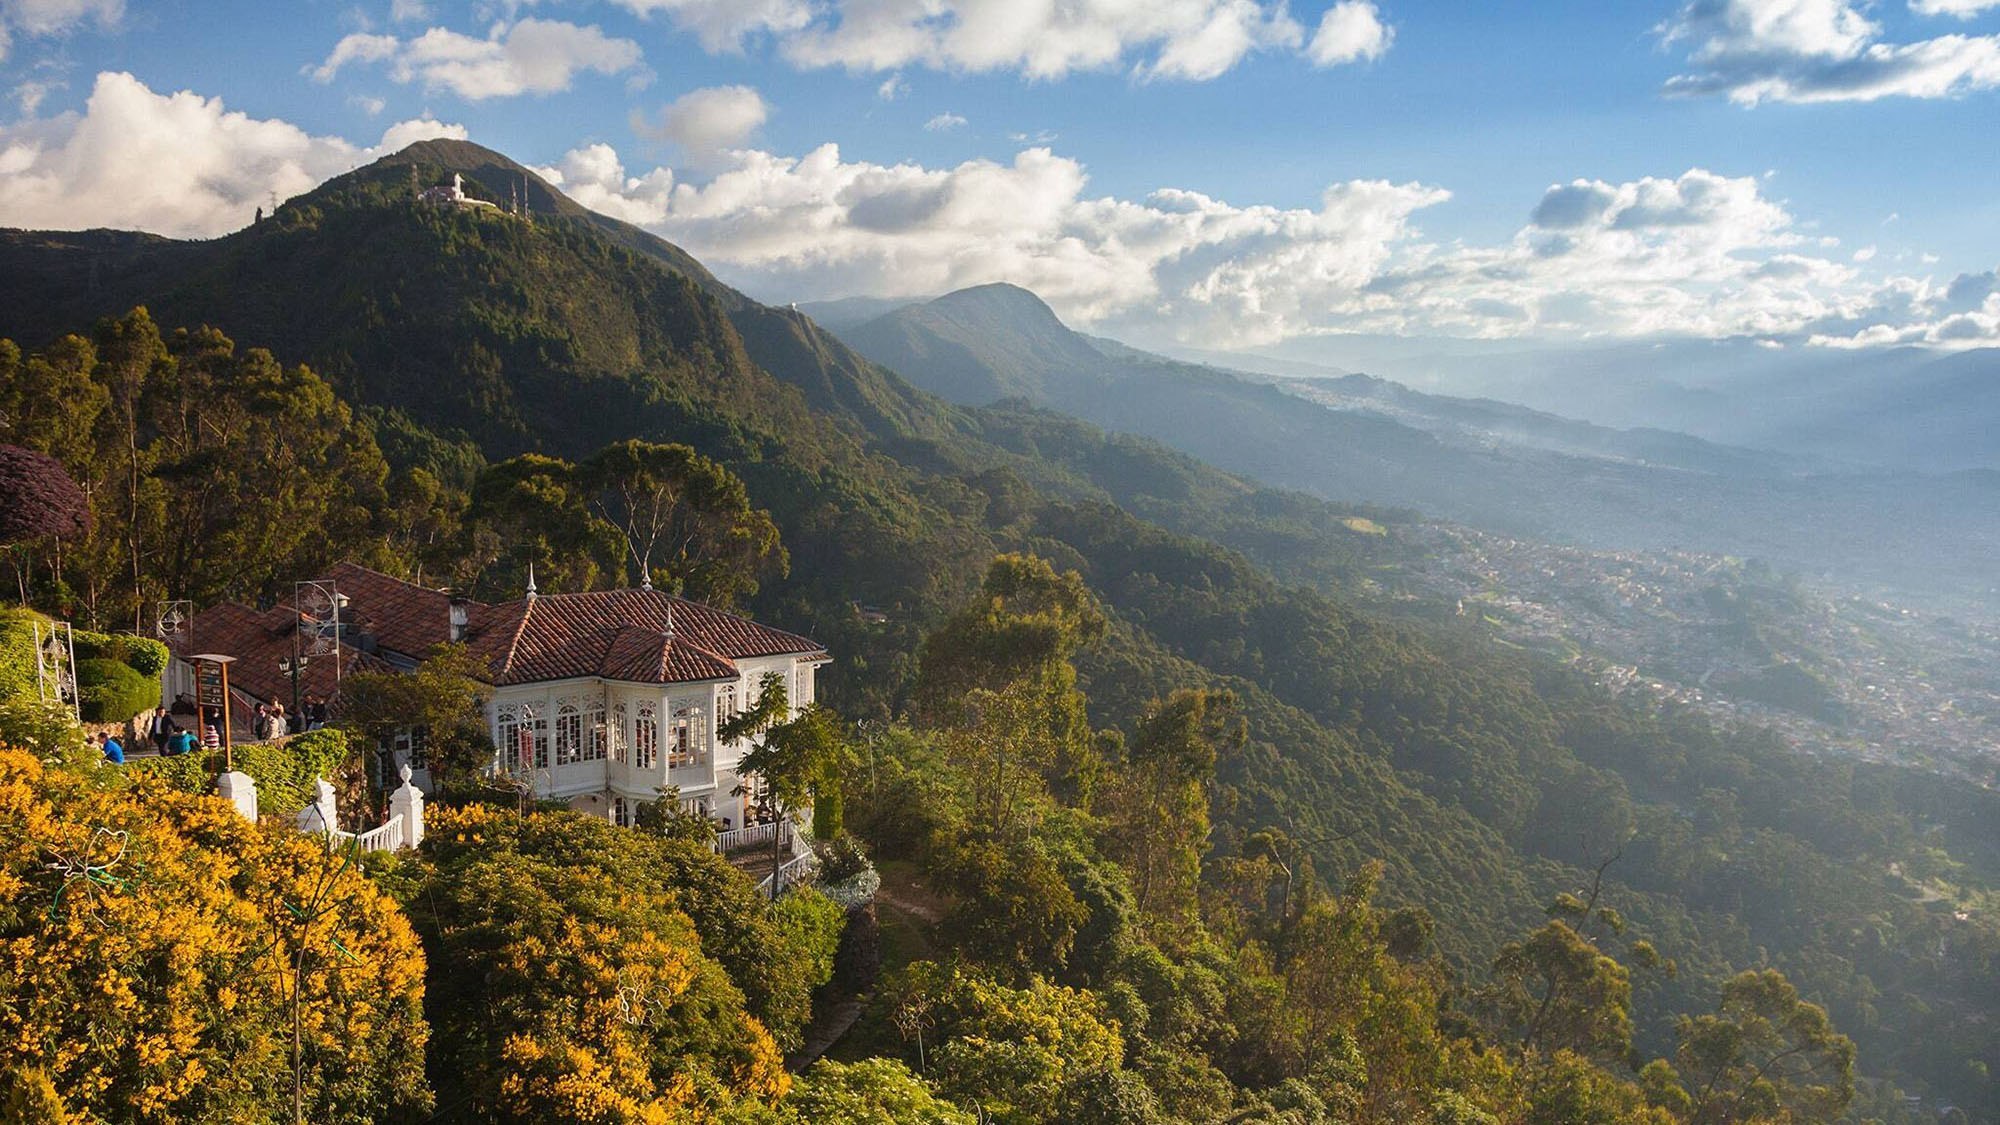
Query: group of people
x=273, y=721
x=169, y=738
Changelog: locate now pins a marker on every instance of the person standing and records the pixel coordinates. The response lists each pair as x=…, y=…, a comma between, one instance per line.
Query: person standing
x=280, y=725
x=261, y=726
x=160, y=728
x=211, y=736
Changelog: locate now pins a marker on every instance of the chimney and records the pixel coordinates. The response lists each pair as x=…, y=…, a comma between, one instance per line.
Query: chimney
x=460, y=615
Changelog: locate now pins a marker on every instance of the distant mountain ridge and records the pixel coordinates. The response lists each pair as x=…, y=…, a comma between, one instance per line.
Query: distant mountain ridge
x=1478, y=461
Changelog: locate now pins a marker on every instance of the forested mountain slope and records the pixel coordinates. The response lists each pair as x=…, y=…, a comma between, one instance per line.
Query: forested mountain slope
x=1484, y=780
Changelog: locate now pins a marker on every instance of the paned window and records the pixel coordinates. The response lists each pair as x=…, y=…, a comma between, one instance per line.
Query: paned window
x=598, y=732
x=689, y=739
x=569, y=732
x=646, y=737
x=523, y=737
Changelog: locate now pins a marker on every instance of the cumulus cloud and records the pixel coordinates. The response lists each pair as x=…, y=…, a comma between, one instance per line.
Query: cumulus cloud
x=178, y=164
x=1963, y=9
x=724, y=25
x=1754, y=51
x=531, y=56
x=1170, y=39
x=1350, y=31
x=944, y=123
x=1699, y=254
x=595, y=177
x=707, y=123
x=54, y=17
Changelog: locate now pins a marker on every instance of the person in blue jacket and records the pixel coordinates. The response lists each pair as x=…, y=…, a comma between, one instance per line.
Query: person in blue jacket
x=114, y=750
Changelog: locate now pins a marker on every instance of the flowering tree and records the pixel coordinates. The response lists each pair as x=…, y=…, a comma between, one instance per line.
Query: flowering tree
x=162, y=959
x=41, y=500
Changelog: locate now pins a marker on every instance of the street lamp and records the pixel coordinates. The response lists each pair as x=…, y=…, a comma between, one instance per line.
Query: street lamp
x=292, y=666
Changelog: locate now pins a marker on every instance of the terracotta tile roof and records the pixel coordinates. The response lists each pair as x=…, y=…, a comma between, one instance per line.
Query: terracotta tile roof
x=401, y=616
x=258, y=641
x=617, y=634
x=622, y=635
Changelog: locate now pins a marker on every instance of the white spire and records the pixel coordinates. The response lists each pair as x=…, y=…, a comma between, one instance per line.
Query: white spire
x=646, y=583
x=532, y=592
x=670, y=621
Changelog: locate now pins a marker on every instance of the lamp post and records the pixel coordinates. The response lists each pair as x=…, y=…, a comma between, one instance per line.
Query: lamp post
x=318, y=603
x=292, y=666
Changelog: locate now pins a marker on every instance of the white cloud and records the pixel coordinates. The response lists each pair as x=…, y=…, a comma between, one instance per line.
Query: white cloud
x=528, y=57
x=366, y=104
x=409, y=11
x=54, y=17
x=707, y=123
x=892, y=87
x=1963, y=9
x=1822, y=51
x=1696, y=254
x=1351, y=31
x=28, y=96
x=944, y=123
x=724, y=25
x=1181, y=39
x=177, y=164
x=594, y=177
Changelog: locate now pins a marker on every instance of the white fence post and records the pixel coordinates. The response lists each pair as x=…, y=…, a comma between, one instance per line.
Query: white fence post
x=408, y=802
x=322, y=815
x=239, y=789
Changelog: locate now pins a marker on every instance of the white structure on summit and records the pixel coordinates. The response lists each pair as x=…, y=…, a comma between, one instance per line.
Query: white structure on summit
x=452, y=195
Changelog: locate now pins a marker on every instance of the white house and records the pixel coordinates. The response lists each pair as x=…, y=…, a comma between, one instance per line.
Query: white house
x=602, y=699
x=599, y=699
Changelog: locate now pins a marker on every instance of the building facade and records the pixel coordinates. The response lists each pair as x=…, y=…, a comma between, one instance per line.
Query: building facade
x=600, y=700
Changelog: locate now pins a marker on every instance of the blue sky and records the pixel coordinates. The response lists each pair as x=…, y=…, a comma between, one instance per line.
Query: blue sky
x=1806, y=170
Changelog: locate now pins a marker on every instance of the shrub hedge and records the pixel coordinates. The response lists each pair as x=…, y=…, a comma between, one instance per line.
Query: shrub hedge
x=112, y=691
x=284, y=771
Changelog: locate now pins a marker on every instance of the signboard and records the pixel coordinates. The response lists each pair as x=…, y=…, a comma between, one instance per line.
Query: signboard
x=210, y=688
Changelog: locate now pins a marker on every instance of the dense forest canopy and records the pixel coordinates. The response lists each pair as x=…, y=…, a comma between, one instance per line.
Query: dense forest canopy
x=1267, y=854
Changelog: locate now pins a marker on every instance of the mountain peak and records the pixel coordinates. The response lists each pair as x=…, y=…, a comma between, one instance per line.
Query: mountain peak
x=981, y=344
x=493, y=174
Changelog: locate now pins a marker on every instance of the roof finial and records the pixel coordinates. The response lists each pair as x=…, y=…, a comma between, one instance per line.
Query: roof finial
x=646, y=580
x=670, y=620
x=532, y=592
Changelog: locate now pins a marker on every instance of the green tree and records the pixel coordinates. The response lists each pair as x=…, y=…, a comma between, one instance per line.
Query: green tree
x=443, y=700
x=1766, y=1054
x=686, y=521
x=1559, y=991
x=1018, y=637
x=533, y=512
x=869, y=1092
x=1021, y=1054
x=1157, y=803
x=798, y=757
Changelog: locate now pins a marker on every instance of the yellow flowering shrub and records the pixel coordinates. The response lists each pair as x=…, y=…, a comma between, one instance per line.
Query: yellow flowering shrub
x=569, y=985
x=157, y=953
